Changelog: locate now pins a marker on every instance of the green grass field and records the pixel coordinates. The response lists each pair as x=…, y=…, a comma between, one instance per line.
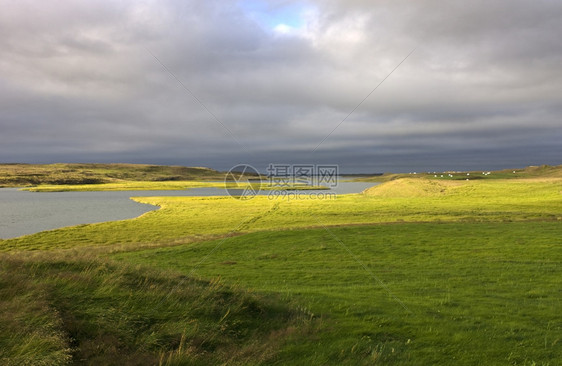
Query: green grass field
x=126, y=186
x=411, y=272
x=426, y=294
x=166, y=186
x=542, y=171
x=82, y=310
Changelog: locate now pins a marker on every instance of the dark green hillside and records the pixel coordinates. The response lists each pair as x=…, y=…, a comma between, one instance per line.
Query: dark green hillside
x=32, y=174
x=87, y=311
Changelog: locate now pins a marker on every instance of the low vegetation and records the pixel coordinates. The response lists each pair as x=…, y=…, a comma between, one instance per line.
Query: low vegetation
x=60, y=310
x=413, y=294
x=412, y=271
x=167, y=186
x=188, y=219
x=542, y=171
x=17, y=175
x=129, y=186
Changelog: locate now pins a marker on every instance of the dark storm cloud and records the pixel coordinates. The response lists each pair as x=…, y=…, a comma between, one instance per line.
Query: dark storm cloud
x=482, y=90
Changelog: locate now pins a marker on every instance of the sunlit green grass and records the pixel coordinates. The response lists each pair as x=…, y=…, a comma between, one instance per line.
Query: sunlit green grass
x=164, y=186
x=541, y=171
x=409, y=294
x=129, y=186
x=191, y=218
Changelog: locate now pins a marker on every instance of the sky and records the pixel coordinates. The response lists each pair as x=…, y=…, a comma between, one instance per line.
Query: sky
x=372, y=86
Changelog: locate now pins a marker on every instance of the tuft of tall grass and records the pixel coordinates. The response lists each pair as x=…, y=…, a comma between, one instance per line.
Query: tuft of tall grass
x=87, y=310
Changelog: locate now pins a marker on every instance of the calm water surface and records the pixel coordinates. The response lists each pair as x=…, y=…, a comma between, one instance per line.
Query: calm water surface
x=23, y=212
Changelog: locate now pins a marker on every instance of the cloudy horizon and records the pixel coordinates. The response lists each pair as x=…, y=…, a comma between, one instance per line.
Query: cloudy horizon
x=218, y=83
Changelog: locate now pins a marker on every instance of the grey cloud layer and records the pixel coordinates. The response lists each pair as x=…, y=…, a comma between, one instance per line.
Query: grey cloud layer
x=482, y=90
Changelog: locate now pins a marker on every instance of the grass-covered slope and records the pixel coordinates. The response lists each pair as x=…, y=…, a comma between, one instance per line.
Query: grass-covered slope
x=86, y=311
x=33, y=174
x=409, y=188
x=537, y=171
x=507, y=190
x=408, y=294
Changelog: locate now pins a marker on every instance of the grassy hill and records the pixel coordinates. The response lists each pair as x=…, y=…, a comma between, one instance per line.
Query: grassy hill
x=33, y=174
x=60, y=310
x=542, y=171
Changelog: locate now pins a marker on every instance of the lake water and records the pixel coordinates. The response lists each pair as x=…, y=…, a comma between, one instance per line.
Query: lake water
x=23, y=212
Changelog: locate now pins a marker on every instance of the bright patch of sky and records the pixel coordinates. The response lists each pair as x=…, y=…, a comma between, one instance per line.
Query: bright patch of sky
x=278, y=16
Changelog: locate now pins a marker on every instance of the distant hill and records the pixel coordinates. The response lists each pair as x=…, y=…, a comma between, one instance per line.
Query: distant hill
x=538, y=171
x=409, y=187
x=459, y=183
x=12, y=175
